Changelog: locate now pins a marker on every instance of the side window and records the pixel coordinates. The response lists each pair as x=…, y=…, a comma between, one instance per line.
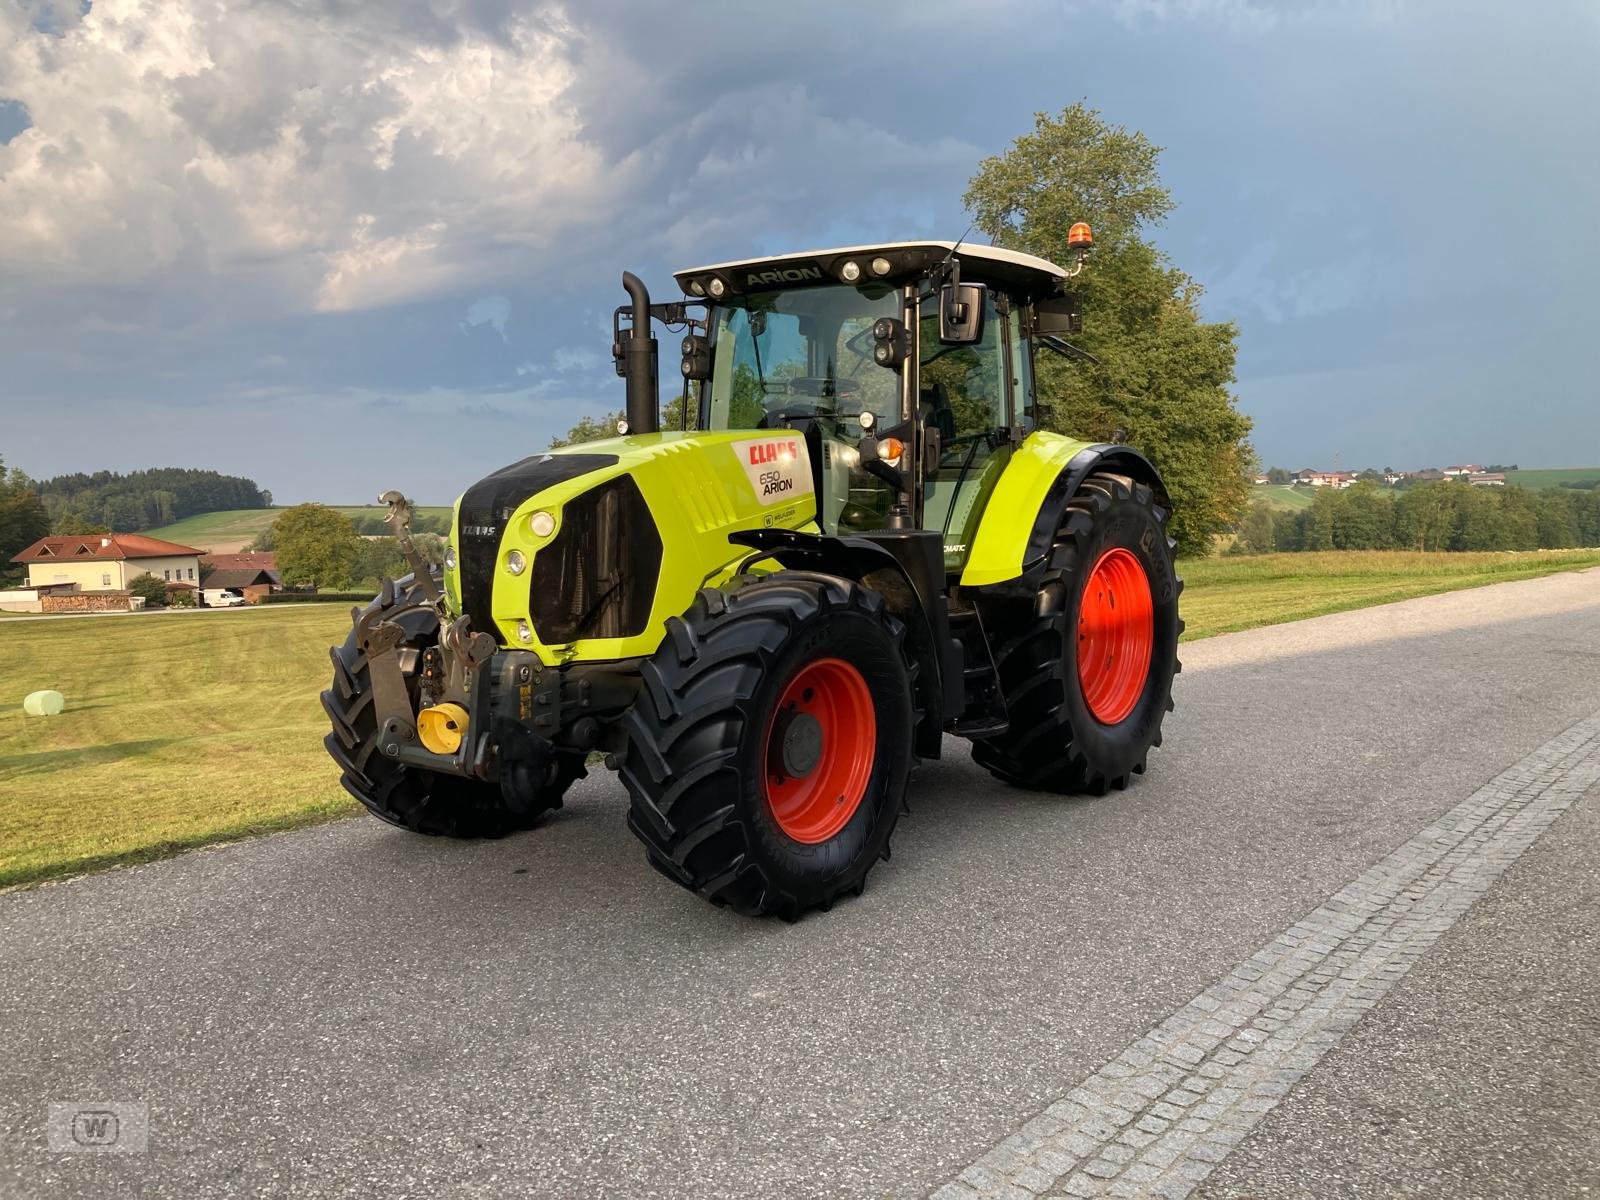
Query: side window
x=963, y=387
x=1021, y=370
x=963, y=397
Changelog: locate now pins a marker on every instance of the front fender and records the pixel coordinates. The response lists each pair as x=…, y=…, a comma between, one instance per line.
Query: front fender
x=1026, y=506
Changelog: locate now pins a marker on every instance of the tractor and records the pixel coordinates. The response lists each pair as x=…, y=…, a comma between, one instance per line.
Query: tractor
x=856, y=543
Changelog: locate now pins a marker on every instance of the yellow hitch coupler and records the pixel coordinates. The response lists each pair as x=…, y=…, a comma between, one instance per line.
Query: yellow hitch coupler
x=442, y=727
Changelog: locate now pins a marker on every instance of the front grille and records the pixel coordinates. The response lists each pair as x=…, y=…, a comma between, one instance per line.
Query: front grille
x=597, y=579
x=486, y=509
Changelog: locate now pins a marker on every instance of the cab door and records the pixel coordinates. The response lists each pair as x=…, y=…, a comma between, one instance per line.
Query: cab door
x=965, y=394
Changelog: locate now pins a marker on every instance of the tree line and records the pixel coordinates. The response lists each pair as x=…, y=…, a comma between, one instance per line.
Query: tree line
x=107, y=501
x=1442, y=515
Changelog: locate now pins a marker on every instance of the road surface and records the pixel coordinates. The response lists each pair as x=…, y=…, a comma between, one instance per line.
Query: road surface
x=1386, y=815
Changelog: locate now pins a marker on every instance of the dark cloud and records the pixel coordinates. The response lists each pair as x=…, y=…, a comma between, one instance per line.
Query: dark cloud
x=301, y=231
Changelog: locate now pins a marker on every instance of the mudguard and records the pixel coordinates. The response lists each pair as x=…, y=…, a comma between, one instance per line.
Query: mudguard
x=1027, y=504
x=906, y=568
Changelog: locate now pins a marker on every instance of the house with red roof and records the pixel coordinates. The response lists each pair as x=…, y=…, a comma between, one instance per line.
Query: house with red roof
x=106, y=562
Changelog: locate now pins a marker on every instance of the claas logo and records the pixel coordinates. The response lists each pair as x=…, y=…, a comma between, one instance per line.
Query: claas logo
x=771, y=452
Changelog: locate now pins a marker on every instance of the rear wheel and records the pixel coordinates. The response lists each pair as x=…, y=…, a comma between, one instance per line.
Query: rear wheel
x=419, y=800
x=769, y=752
x=1088, y=676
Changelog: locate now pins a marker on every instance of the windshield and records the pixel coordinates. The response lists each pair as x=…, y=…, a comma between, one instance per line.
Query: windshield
x=807, y=352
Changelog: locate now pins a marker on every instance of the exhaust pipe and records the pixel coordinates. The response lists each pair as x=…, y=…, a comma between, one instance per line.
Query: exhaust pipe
x=644, y=402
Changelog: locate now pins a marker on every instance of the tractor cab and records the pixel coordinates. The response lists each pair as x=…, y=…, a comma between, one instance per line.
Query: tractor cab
x=906, y=367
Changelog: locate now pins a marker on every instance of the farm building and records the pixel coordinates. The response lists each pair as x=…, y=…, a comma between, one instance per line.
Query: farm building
x=248, y=576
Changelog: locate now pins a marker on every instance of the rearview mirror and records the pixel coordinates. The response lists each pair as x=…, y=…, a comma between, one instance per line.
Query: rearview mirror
x=961, y=308
x=1058, y=315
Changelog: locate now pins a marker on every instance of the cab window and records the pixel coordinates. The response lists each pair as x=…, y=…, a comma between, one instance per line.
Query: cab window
x=963, y=397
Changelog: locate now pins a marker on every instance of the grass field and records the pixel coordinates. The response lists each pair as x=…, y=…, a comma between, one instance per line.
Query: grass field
x=1281, y=495
x=1222, y=595
x=188, y=728
x=181, y=729
x=1553, y=477
x=226, y=532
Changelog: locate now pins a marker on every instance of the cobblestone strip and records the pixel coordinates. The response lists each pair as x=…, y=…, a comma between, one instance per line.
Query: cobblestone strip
x=1156, y=1119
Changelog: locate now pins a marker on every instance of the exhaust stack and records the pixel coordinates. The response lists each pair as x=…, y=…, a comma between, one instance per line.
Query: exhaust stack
x=643, y=409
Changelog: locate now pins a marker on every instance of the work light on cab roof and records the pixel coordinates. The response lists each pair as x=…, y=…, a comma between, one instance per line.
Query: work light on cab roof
x=857, y=541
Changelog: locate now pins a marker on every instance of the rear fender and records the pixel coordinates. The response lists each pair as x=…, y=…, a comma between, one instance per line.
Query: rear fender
x=1025, y=510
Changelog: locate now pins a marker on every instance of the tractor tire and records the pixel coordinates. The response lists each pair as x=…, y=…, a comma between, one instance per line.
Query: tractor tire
x=1109, y=596
x=769, y=752
x=421, y=801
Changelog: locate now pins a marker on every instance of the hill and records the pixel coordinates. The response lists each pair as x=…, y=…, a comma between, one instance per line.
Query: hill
x=140, y=498
x=229, y=531
x=1553, y=476
x=1282, y=496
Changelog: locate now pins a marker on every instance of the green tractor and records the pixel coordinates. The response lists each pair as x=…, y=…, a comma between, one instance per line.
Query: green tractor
x=857, y=544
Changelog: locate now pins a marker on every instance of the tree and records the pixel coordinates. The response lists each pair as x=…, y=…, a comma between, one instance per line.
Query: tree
x=74, y=521
x=23, y=520
x=1425, y=515
x=152, y=589
x=1256, y=534
x=1277, y=475
x=1163, y=373
x=1364, y=518
x=588, y=429
x=316, y=546
x=182, y=598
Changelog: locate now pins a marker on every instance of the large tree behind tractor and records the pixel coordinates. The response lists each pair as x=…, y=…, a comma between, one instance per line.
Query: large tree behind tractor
x=862, y=545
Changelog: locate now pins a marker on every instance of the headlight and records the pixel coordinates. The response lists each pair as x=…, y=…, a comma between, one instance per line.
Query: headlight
x=542, y=524
x=516, y=562
x=449, y=558
x=524, y=632
x=850, y=272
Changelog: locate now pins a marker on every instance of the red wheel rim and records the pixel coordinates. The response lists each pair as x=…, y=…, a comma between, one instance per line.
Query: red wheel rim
x=819, y=749
x=1116, y=632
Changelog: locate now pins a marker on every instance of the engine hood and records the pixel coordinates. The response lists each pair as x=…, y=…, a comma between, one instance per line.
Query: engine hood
x=693, y=489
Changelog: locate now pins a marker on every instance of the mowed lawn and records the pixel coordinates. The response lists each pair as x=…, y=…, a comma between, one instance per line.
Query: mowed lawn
x=1222, y=595
x=180, y=729
x=188, y=728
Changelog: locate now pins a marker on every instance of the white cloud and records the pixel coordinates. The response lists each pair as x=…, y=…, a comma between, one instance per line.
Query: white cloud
x=329, y=155
x=576, y=358
x=493, y=311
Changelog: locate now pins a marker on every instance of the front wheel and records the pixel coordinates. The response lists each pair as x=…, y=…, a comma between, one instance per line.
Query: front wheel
x=1088, y=676
x=419, y=800
x=769, y=752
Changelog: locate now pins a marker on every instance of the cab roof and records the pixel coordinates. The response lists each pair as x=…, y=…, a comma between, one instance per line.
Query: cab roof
x=1008, y=269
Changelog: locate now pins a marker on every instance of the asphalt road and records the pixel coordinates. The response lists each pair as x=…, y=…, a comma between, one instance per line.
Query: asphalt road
x=350, y=1010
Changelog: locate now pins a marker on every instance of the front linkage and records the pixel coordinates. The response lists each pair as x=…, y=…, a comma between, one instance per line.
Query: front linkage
x=450, y=716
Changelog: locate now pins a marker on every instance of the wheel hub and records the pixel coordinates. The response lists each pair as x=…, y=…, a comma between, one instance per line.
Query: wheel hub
x=1116, y=635
x=820, y=748
x=799, y=738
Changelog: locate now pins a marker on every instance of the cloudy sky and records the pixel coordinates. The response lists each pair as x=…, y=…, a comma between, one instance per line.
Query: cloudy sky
x=340, y=246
